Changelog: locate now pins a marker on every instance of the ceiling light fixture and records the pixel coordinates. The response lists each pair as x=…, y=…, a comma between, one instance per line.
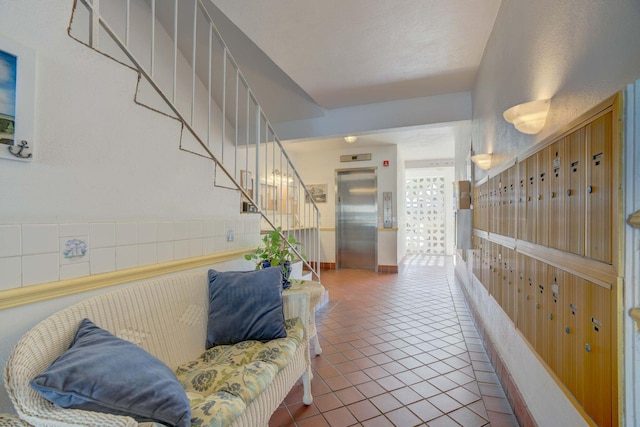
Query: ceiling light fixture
x=529, y=117
x=483, y=161
x=350, y=139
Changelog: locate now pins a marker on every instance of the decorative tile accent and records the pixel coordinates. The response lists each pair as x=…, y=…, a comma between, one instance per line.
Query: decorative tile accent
x=83, y=248
x=74, y=249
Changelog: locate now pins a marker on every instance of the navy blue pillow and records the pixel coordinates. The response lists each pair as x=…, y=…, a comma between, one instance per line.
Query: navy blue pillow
x=245, y=305
x=103, y=373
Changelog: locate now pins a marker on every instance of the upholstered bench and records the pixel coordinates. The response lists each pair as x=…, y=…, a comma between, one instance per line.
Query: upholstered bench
x=173, y=320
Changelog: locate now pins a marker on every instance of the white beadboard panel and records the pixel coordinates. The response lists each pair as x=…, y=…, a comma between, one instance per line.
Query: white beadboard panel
x=102, y=235
x=147, y=232
x=195, y=229
x=11, y=269
x=165, y=231
x=180, y=230
x=103, y=260
x=208, y=246
x=10, y=240
x=165, y=251
x=39, y=239
x=126, y=233
x=74, y=270
x=181, y=249
x=148, y=254
x=195, y=247
x=41, y=268
x=71, y=249
x=77, y=229
x=207, y=228
x=126, y=257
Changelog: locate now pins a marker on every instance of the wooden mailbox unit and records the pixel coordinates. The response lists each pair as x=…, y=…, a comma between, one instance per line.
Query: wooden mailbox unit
x=546, y=246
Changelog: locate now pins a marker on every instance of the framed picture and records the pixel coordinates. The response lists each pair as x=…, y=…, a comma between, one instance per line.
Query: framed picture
x=318, y=192
x=17, y=96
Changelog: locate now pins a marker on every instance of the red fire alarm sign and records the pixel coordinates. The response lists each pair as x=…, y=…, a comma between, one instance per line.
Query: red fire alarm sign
x=385, y=163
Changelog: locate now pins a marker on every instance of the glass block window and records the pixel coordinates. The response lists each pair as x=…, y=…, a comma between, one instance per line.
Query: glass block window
x=425, y=215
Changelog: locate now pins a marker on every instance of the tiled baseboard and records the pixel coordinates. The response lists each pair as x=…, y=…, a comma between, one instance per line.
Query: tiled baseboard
x=381, y=268
x=390, y=269
x=327, y=266
x=519, y=406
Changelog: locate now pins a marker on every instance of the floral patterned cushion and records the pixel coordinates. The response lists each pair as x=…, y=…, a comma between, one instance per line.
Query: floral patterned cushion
x=226, y=378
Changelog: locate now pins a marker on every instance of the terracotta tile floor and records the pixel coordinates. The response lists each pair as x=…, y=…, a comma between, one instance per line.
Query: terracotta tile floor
x=398, y=350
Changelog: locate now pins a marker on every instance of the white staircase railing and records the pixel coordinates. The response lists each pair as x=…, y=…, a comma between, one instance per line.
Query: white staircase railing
x=192, y=76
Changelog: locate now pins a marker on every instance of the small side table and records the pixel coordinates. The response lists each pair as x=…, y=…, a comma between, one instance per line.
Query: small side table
x=315, y=290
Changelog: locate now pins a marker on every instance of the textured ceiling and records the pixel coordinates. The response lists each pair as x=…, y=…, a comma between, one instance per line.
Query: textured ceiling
x=355, y=52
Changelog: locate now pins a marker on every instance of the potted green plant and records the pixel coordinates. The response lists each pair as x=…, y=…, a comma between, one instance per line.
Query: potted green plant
x=274, y=251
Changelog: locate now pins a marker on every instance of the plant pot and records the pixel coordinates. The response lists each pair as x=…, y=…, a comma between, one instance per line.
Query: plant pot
x=286, y=272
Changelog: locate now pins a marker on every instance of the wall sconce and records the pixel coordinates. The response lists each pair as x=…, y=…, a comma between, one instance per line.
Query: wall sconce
x=350, y=139
x=483, y=161
x=528, y=117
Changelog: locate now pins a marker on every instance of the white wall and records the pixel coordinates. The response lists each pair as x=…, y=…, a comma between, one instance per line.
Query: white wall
x=578, y=53
x=100, y=158
x=317, y=165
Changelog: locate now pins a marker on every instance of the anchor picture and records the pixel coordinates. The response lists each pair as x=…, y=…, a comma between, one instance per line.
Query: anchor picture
x=8, y=71
x=17, y=84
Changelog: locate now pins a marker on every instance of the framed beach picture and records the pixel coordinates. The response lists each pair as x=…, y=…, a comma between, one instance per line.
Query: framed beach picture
x=17, y=97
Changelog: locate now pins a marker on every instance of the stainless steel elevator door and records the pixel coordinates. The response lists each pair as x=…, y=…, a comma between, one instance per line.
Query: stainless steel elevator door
x=356, y=219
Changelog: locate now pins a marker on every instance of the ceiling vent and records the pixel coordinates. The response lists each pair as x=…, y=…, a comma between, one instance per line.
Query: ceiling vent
x=355, y=157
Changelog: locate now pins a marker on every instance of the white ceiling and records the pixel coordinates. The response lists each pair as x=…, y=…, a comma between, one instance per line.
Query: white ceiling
x=354, y=52
x=348, y=53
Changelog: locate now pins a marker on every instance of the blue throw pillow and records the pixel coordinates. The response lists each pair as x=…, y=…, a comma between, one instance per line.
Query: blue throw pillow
x=245, y=305
x=103, y=373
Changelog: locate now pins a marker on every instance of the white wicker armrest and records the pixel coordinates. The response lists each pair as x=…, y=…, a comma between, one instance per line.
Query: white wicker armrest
x=31, y=356
x=297, y=305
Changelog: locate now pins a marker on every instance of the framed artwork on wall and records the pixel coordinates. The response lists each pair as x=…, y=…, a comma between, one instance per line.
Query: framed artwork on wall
x=318, y=192
x=17, y=97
